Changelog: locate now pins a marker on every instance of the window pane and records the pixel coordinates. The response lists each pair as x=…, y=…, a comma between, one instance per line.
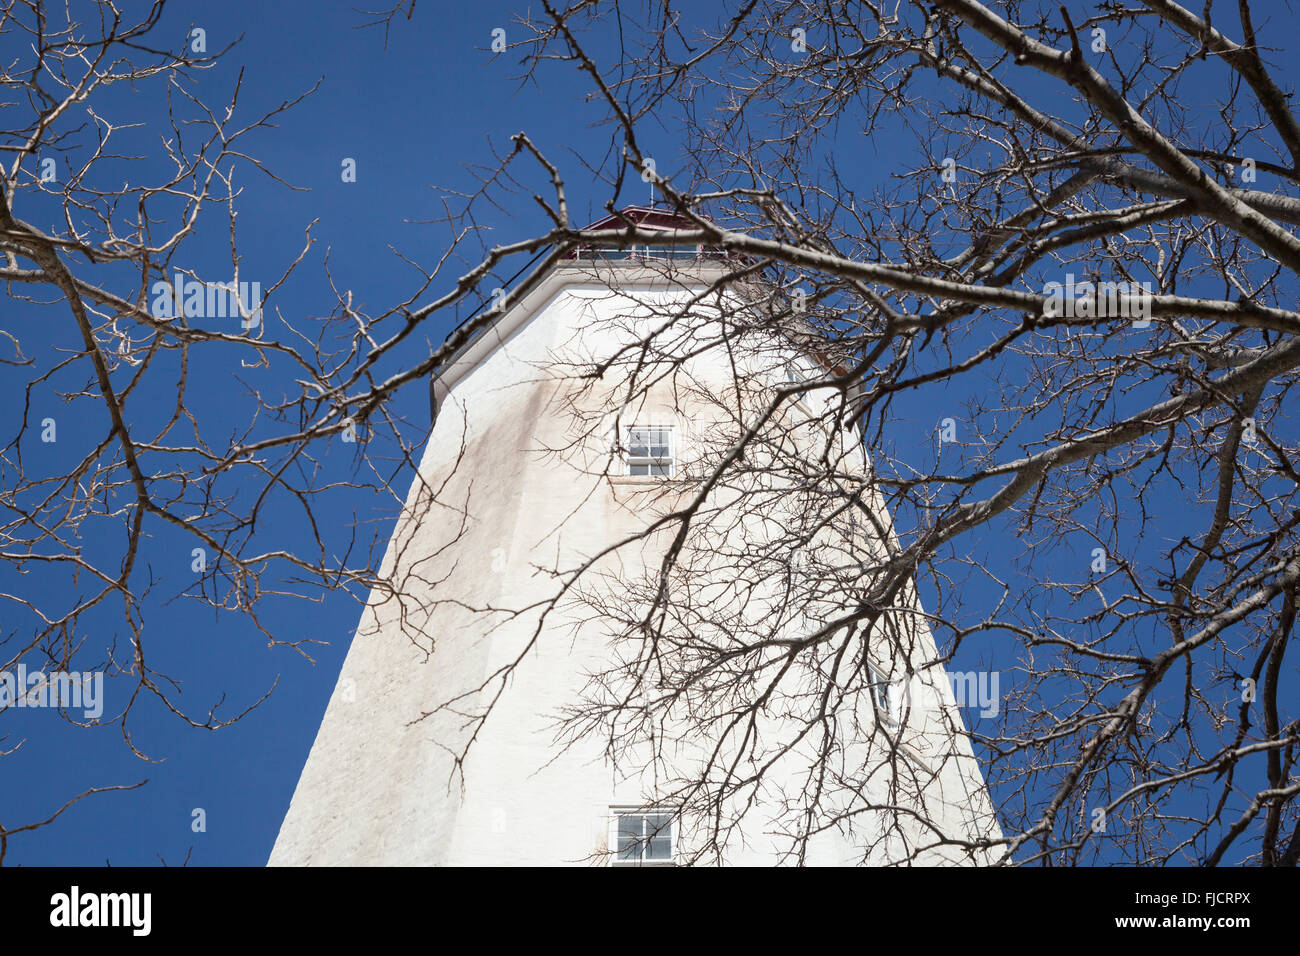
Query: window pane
x=629, y=837
x=659, y=832
x=649, y=450
x=882, y=693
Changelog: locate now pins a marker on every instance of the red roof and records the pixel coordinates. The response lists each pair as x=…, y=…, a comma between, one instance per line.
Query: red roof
x=642, y=216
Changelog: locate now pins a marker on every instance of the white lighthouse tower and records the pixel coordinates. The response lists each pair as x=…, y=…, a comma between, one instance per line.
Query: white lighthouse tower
x=518, y=694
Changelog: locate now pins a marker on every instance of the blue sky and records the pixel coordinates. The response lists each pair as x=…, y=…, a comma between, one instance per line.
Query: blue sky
x=416, y=115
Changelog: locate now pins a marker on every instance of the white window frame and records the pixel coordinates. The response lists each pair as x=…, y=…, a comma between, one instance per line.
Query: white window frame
x=794, y=372
x=629, y=461
x=794, y=375
x=616, y=814
x=881, y=685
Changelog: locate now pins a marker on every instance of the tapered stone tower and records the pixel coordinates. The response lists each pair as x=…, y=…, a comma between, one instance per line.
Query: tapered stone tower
x=536, y=468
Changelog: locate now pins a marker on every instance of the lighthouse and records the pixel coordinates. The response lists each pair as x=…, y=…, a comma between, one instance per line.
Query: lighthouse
x=621, y=620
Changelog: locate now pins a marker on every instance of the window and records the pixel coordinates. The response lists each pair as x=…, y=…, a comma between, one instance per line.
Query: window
x=794, y=375
x=669, y=252
x=649, y=451
x=882, y=692
x=644, y=837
